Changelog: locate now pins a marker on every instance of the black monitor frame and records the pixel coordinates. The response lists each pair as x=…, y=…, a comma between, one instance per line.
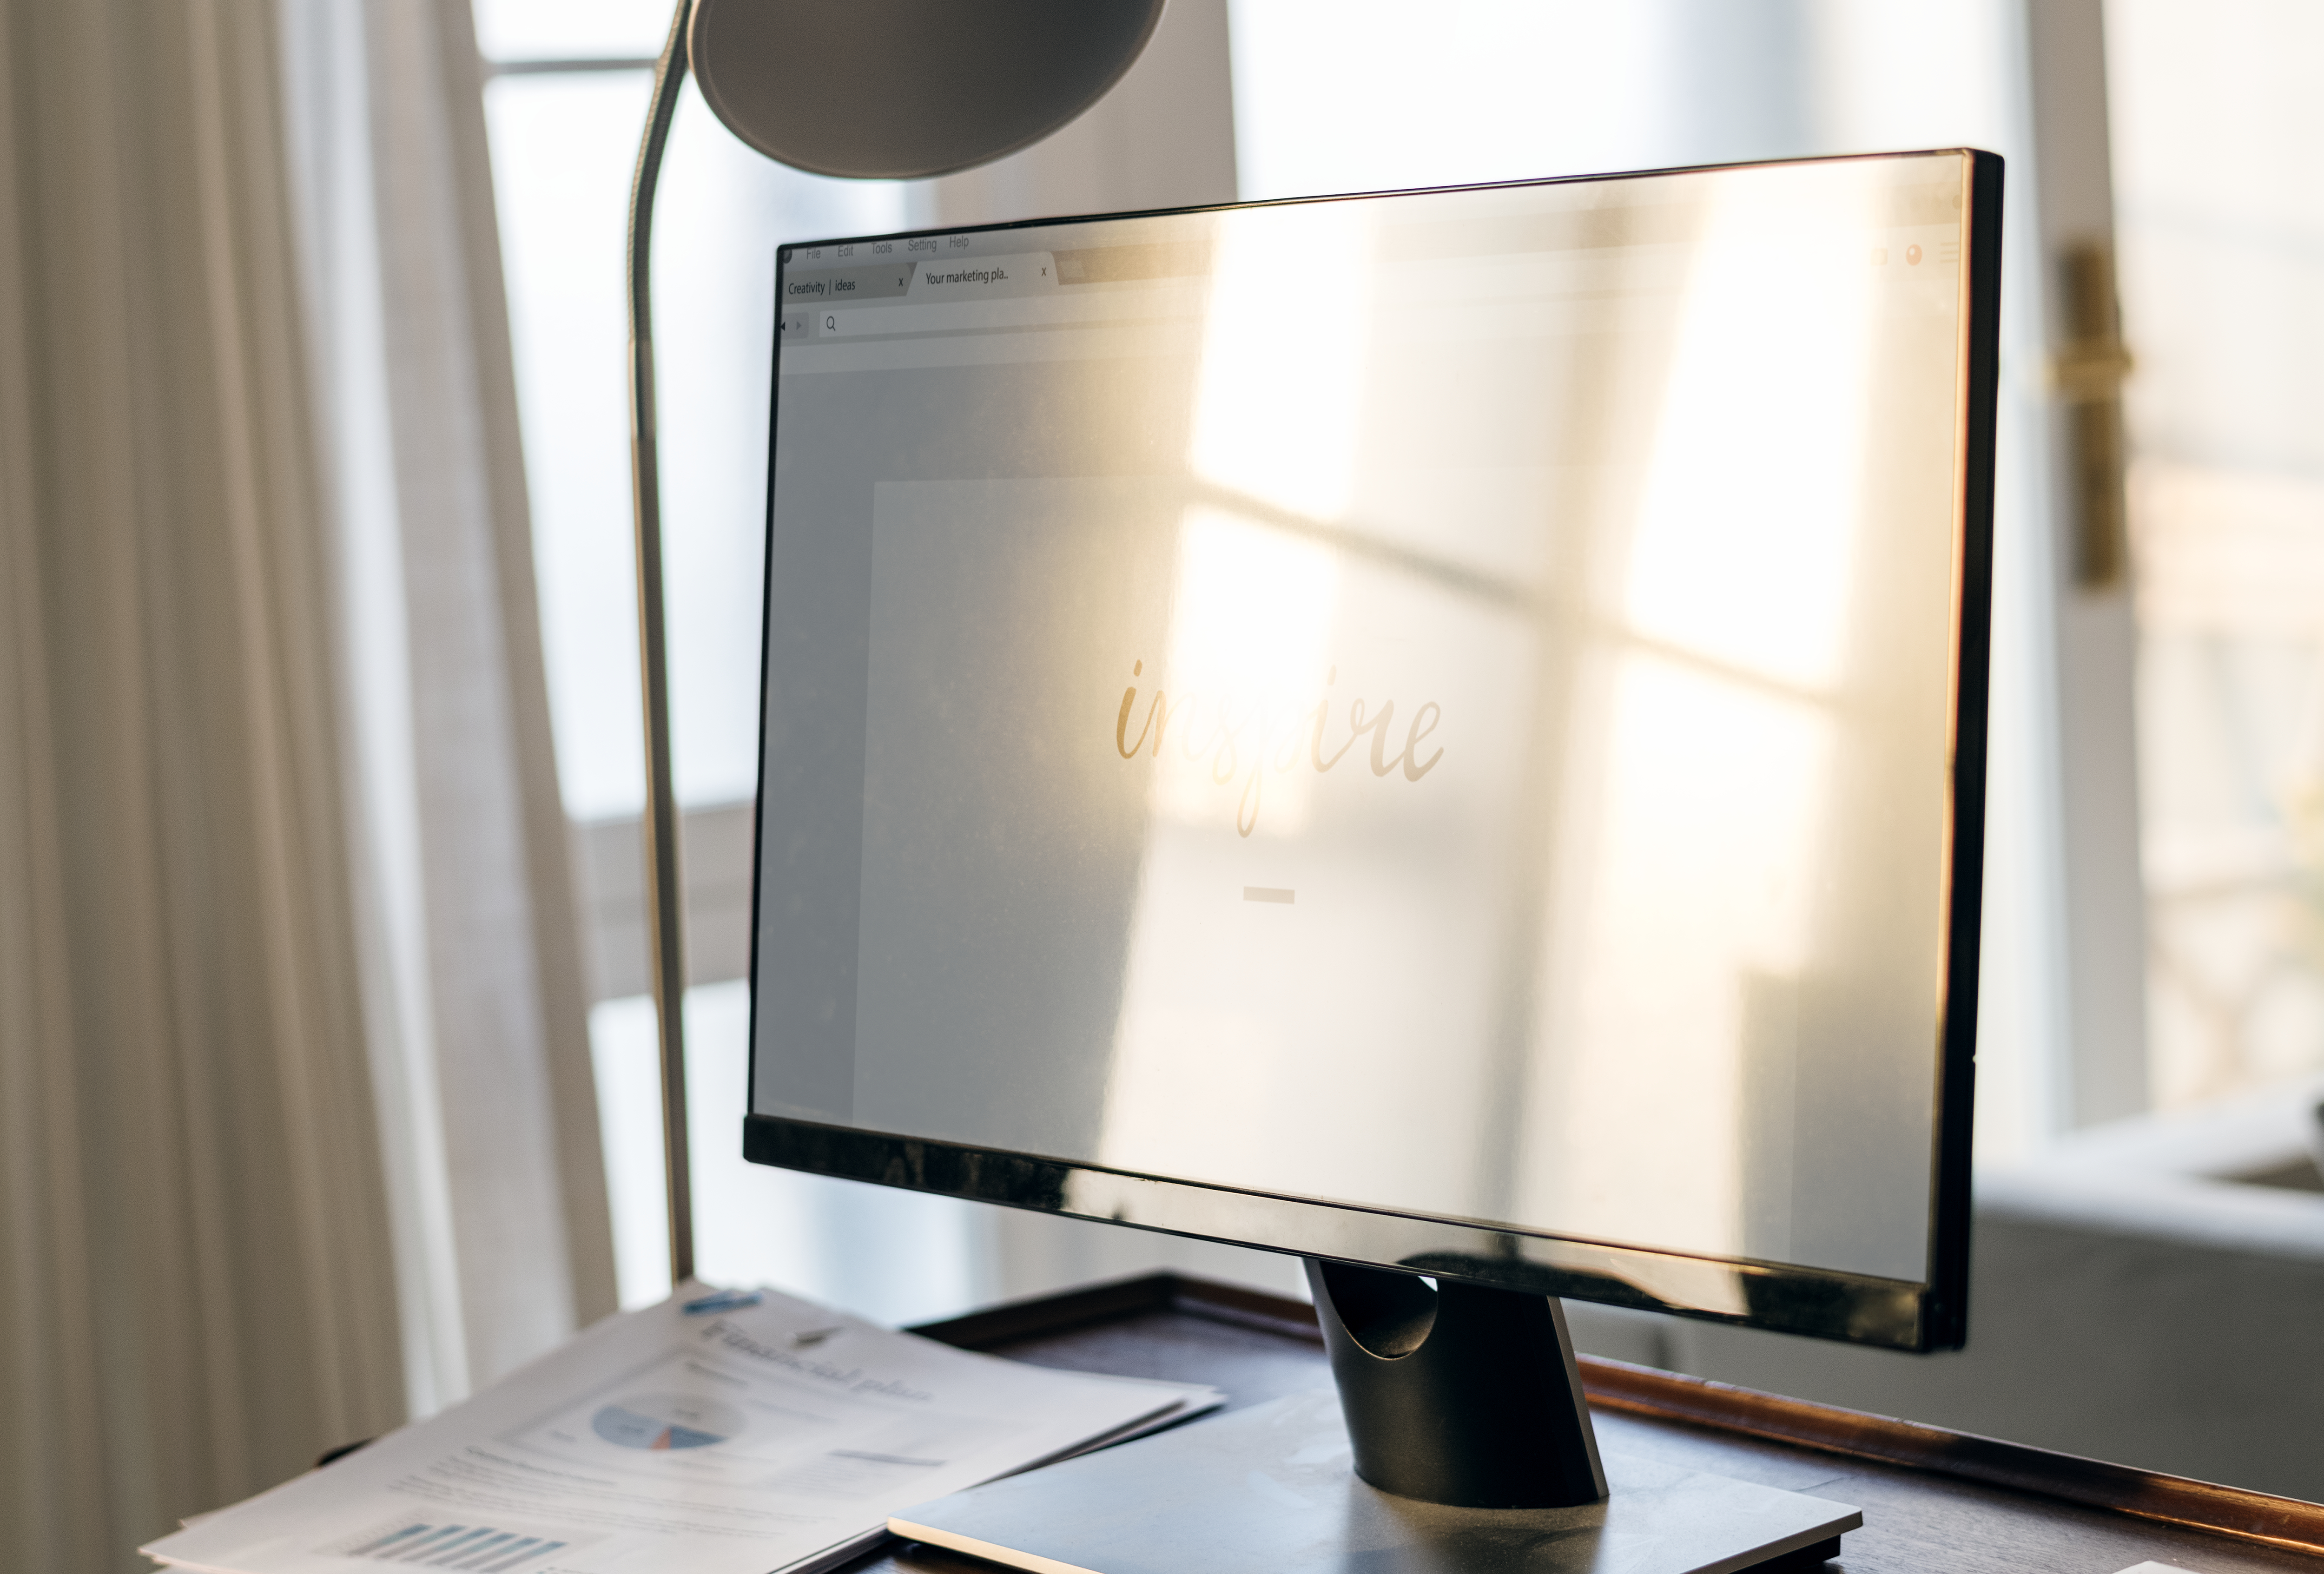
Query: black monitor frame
x=1896, y=1313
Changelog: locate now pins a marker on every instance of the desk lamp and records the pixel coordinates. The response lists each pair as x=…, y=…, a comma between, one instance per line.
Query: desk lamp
x=871, y=90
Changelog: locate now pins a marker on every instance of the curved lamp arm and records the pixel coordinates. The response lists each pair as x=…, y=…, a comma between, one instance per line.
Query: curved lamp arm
x=665, y=910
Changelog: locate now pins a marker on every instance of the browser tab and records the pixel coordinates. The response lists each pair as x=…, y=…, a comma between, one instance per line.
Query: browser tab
x=811, y=288
x=942, y=278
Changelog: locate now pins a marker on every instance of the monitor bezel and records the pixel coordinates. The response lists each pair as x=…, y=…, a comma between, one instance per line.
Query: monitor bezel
x=1791, y=1298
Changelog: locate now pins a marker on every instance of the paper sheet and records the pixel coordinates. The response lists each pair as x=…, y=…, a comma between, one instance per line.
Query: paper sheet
x=736, y=1440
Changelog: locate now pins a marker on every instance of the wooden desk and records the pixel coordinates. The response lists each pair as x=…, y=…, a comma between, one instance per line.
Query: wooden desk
x=1932, y=1500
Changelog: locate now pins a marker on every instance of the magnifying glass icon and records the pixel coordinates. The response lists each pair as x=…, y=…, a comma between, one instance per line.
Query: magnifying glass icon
x=831, y=324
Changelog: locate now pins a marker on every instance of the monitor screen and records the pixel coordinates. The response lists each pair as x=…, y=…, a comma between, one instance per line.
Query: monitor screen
x=1439, y=730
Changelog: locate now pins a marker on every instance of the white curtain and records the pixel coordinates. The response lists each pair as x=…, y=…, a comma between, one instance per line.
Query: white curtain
x=196, y=1288
x=297, y=1133
x=472, y=960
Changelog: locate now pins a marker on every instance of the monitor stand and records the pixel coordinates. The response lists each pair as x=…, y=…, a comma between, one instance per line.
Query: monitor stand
x=1460, y=1410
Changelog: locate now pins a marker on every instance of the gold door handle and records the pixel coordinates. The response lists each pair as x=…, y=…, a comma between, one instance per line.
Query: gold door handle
x=2086, y=373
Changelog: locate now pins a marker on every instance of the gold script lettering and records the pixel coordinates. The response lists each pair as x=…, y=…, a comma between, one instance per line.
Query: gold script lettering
x=1121, y=722
x=1274, y=745
x=1413, y=772
x=1377, y=728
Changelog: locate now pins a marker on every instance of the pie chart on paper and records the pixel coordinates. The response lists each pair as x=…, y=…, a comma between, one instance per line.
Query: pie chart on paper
x=667, y=1420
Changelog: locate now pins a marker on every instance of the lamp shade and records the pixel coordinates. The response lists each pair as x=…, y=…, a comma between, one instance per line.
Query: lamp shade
x=898, y=89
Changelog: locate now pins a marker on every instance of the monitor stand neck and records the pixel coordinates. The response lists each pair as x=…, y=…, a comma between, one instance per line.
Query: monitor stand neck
x=1460, y=1394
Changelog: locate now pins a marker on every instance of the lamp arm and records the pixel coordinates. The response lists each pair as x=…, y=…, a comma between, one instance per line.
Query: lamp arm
x=665, y=910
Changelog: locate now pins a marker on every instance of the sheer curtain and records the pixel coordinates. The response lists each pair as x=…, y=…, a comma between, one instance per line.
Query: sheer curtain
x=297, y=1131
x=472, y=967
x=196, y=1279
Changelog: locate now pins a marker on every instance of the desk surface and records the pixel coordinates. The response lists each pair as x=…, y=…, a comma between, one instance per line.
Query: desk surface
x=1923, y=1517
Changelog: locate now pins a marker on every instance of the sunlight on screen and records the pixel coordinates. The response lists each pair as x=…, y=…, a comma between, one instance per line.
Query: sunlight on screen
x=1695, y=917
x=1247, y=665
x=1744, y=532
x=1283, y=356
x=1681, y=940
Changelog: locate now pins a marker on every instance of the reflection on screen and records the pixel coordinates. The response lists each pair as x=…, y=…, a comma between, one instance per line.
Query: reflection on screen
x=1439, y=703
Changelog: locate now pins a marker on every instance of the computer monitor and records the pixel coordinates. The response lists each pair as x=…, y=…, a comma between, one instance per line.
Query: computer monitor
x=1438, y=732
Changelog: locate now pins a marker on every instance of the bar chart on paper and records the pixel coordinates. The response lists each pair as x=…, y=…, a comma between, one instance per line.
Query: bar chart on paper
x=435, y=1544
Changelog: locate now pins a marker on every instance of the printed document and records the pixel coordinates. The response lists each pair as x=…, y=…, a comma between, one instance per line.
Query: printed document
x=719, y=1433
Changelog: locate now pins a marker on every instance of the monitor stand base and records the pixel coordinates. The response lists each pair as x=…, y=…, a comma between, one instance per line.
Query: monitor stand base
x=1271, y=1490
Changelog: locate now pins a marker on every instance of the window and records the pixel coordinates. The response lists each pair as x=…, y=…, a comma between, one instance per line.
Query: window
x=2220, y=224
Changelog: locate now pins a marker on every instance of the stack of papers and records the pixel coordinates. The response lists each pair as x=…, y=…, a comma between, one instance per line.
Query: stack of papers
x=717, y=1433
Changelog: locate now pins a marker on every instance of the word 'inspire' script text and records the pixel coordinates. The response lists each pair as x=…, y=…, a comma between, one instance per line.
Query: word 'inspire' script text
x=1254, y=737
